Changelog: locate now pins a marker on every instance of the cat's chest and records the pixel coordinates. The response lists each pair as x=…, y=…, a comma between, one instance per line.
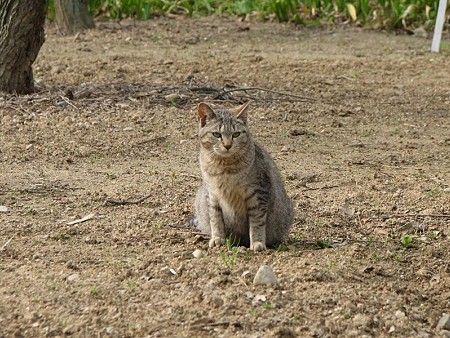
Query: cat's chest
x=230, y=191
x=231, y=198
x=230, y=187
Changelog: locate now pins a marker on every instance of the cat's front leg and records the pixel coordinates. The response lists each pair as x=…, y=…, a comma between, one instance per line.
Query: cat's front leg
x=216, y=222
x=257, y=217
x=257, y=235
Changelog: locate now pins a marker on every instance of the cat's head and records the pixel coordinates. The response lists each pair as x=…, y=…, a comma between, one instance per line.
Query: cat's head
x=223, y=132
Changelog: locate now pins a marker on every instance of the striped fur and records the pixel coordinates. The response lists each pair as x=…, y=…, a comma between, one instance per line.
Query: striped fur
x=242, y=195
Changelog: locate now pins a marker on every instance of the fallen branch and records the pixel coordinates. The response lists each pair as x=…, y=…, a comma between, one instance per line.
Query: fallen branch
x=113, y=202
x=414, y=215
x=224, y=93
x=237, y=89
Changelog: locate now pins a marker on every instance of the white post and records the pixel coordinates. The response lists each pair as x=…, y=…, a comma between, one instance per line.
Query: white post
x=439, y=25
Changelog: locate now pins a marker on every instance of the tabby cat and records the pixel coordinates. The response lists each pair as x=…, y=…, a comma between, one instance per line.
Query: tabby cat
x=242, y=195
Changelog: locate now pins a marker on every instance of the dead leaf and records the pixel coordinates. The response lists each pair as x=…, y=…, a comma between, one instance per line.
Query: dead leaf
x=352, y=11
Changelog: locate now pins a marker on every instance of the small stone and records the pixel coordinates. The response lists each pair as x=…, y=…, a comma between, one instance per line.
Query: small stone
x=360, y=320
x=3, y=208
x=420, y=32
x=68, y=330
x=73, y=277
x=128, y=129
x=249, y=295
x=168, y=271
x=122, y=105
x=265, y=275
x=109, y=330
x=62, y=104
x=246, y=276
x=198, y=253
x=444, y=322
x=400, y=314
x=171, y=97
x=216, y=302
x=392, y=329
x=259, y=300
x=56, y=69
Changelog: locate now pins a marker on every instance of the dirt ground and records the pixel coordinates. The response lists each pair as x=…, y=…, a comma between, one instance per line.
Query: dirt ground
x=362, y=141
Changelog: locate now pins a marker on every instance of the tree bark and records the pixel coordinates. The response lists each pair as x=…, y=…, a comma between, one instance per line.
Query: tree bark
x=72, y=15
x=21, y=38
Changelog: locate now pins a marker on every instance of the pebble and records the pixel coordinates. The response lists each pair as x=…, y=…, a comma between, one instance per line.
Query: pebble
x=68, y=330
x=444, y=322
x=198, y=253
x=62, y=104
x=265, y=275
x=258, y=300
x=128, y=129
x=168, y=271
x=360, y=320
x=400, y=314
x=73, y=277
x=249, y=295
x=109, y=330
x=3, y=208
x=171, y=97
x=216, y=302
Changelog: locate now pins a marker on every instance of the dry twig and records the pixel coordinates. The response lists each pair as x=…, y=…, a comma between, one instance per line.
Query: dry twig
x=66, y=100
x=113, y=202
x=214, y=324
x=81, y=220
x=319, y=188
x=7, y=242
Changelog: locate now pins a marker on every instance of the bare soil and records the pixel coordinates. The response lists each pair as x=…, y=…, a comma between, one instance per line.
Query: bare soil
x=365, y=157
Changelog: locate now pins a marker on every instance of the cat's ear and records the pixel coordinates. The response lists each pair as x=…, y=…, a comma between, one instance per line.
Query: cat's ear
x=205, y=112
x=241, y=112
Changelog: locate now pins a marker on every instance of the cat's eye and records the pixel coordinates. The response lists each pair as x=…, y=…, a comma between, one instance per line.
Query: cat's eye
x=217, y=134
x=236, y=134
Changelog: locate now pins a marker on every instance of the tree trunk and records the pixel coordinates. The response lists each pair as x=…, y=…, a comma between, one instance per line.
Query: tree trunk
x=72, y=15
x=21, y=38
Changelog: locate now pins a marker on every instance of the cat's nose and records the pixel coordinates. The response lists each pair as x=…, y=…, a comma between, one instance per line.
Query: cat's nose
x=227, y=146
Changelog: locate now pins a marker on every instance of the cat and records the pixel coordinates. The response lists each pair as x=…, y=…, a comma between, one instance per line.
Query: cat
x=242, y=195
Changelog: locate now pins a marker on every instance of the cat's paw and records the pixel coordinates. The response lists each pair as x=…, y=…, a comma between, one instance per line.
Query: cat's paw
x=216, y=241
x=257, y=246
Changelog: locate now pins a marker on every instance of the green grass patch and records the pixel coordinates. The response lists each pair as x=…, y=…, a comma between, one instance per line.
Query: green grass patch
x=230, y=257
x=387, y=14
